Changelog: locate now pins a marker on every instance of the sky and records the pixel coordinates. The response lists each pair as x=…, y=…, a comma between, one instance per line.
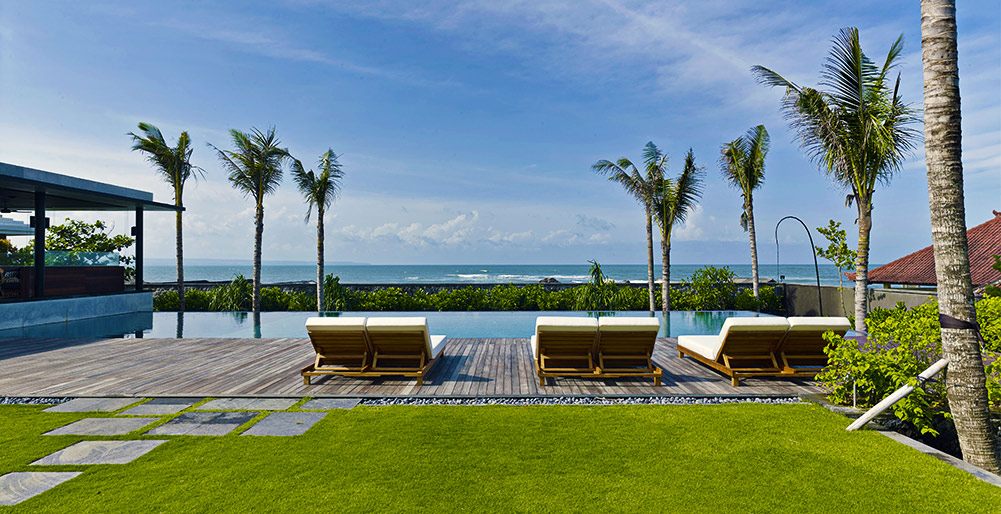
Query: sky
x=467, y=129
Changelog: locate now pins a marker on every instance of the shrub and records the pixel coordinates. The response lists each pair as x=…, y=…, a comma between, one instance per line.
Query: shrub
x=337, y=297
x=989, y=319
x=767, y=300
x=274, y=299
x=235, y=296
x=196, y=300
x=712, y=288
x=902, y=343
x=164, y=300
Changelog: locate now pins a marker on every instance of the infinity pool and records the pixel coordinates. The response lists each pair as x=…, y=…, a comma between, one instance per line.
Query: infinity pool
x=452, y=324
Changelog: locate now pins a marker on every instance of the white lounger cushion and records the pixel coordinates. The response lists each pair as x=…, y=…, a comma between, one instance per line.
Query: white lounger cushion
x=635, y=324
x=711, y=346
x=432, y=344
x=328, y=324
x=818, y=324
x=566, y=324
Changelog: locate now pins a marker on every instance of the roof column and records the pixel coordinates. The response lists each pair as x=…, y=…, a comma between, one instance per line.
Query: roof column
x=39, y=222
x=137, y=231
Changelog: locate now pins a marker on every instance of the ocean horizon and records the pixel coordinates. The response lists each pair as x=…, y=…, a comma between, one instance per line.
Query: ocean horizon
x=478, y=273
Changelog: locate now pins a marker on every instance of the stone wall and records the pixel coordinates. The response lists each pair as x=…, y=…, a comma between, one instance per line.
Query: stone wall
x=801, y=299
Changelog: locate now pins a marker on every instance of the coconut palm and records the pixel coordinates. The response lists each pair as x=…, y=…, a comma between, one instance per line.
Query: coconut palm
x=742, y=162
x=856, y=130
x=673, y=201
x=174, y=166
x=641, y=187
x=965, y=381
x=255, y=168
x=319, y=188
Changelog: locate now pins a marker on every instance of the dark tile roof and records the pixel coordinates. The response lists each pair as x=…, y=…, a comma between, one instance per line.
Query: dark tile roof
x=918, y=268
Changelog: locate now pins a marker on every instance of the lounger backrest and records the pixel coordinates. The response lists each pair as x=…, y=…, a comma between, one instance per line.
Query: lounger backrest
x=627, y=335
x=391, y=335
x=338, y=336
x=751, y=336
x=805, y=335
x=564, y=335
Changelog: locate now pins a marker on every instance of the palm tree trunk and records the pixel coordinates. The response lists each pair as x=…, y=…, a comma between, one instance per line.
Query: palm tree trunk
x=754, y=248
x=665, y=273
x=180, y=260
x=319, y=258
x=965, y=381
x=258, y=237
x=862, y=266
x=649, y=260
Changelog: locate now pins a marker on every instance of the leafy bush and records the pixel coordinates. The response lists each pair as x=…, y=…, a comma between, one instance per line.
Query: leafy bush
x=164, y=300
x=197, y=300
x=711, y=288
x=902, y=343
x=767, y=300
x=235, y=296
x=274, y=299
x=989, y=319
x=335, y=296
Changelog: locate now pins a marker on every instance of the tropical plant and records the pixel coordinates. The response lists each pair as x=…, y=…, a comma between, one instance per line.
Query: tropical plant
x=85, y=244
x=742, y=162
x=600, y=294
x=966, y=380
x=673, y=201
x=174, y=166
x=993, y=290
x=857, y=130
x=255, y=168
x=642, y=187
x=319, y=188
x=837, y=252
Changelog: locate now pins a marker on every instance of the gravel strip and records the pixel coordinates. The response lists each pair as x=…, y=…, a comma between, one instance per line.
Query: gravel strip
x=566, y=400
x=14, y=400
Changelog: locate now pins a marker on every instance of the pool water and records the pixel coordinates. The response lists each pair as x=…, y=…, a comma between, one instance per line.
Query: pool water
x=453, y=324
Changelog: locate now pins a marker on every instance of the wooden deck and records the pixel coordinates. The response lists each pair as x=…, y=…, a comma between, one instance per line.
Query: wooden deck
x=270, y=367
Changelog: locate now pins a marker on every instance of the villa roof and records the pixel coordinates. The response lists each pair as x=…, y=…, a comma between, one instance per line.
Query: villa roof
x=918, y=268
x=18, y=185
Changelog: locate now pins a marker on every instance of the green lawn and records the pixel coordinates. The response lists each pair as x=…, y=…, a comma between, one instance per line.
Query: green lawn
x=727, y=458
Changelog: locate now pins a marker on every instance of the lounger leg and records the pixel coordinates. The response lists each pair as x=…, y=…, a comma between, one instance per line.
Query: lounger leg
x=734, y=381
x=656, y=381
x=681, y=355
x=305, y=379
x=420, y=381
x=542, y=381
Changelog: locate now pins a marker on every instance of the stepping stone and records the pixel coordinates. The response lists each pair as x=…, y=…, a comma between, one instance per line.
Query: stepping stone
x=249, y=404
x=203, y=423
x=102, y=426
x=93, y=405
x=285, y=423
x=19, y=486
x=99, y=452
x=162, y=406
x=330, y=403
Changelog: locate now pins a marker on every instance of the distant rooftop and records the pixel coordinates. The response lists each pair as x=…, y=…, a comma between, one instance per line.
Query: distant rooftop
x=918, y=268
x=18, y=185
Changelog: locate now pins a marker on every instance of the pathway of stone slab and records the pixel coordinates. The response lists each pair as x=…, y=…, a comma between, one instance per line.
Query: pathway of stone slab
x=17, y=487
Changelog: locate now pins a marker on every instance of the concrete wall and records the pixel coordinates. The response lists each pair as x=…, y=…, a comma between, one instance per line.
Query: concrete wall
x=801, y=299
x=19, y=315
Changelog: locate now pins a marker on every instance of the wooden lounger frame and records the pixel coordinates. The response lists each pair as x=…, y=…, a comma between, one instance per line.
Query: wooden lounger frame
x=393, y=347
x=798, y=351
x=754, y=348
x=562, y=349
x=632, y=351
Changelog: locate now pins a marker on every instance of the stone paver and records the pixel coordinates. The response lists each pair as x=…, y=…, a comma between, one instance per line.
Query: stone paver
x=93, y=405
x=330, y=403
x=102, y=426
x=161, y=406
x=19, y=486
x=285, y=423
x=249, y=404
x=99, y=452
x=203, y=423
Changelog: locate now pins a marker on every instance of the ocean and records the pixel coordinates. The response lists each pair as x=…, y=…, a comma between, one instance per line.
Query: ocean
x=490, y=274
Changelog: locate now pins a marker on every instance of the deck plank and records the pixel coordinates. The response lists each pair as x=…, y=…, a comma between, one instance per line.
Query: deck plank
x=270, y=367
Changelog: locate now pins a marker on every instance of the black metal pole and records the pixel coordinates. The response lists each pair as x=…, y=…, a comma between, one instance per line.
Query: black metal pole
x=139, y=248
x=816, y=267
x=39, y=244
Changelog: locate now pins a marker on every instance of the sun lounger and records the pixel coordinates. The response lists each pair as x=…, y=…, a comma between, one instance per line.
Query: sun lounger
x=403, y=346
x=802, y=349
x=564, y=346
x=745, y=347
x=341, y=346
x=625, y=347
x=357, y=347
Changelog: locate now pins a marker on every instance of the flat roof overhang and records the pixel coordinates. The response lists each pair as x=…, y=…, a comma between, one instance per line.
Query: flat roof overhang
x=19, y=184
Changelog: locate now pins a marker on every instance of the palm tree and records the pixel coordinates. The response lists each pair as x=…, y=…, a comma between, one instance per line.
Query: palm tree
x=857, y=131
x=174, y=166
x=642, y=188
x=255, y=168
x=965, y=381
x=743, y=164
x=319, y=189
x=674, y=200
